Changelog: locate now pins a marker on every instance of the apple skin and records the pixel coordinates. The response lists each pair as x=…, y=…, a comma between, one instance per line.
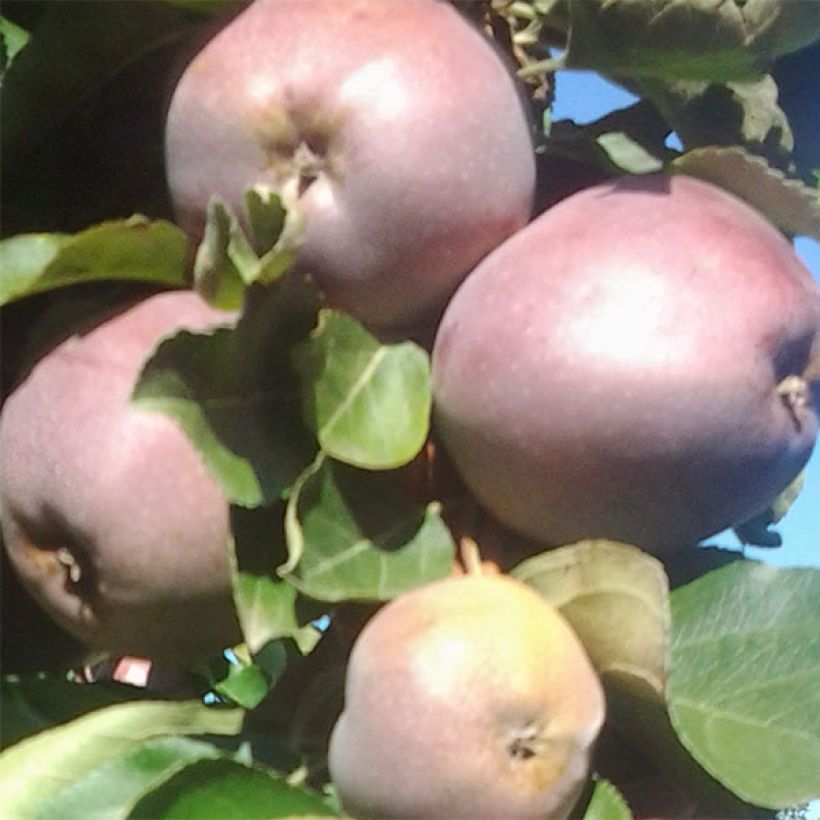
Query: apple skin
x=398, y=121
x=468, y=697
x=88, y=478
x=618, y=369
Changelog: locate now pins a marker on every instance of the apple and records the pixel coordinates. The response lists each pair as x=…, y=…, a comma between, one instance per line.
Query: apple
x=467, y=697
x=395, y=125
x=108, y=514
x=641, y=363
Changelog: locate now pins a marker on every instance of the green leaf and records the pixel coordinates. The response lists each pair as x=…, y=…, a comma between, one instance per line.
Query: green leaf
x=232, y=394
x=735, y=114
x=630, y=140
x=629, y=155
x=129, y=249
x=226, y=260
x=217, y=276
x=743, y=688
x=368, y=402
x=616, y=598
x=113, y=789
x=351, y=537
x=276, y=229
x=606, y=803
x=266, y=604
x=31, y=704
x=37, y=771
x=788, y=203
x=13, y=40
x=267, y=609
x=194, y=379
x=228, y=790
x=245, y=684
x=687, y=39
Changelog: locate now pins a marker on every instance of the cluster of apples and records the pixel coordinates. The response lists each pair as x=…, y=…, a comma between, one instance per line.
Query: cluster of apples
x=640, y=362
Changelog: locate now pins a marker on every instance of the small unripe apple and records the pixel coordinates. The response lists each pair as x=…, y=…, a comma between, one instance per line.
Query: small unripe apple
x=396, y=122
x=639, y=363
x=468, y=697
x=108, y=514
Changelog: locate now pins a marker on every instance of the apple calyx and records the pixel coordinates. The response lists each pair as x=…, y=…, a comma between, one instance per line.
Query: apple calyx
x=67, y=564
x=795, y=392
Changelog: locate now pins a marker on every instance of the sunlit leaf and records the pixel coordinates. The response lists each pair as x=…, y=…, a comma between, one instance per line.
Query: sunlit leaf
x=743, y=688
x=112, y=789
x=246, y=682
x=266, y=607
x=229, y=260
x=39, y=770
x=31, y=704
x=133, y=249
x=368, y=402
x=351, y=537
x=12, y=40
x=606, y=803
x=266, y=604
x=628, y=154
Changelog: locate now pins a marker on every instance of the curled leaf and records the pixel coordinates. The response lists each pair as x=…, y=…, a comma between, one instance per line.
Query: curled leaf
x=788, y=203
x=616, y=598
x=229, y=260
x=744, y=114
x=690, y=39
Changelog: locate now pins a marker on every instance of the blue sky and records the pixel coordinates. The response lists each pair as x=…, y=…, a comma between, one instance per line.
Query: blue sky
x=583, y=97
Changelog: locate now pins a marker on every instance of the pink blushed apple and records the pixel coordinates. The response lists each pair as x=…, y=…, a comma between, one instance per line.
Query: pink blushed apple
x=639, y=363
x=397, y=124
x=109, y=516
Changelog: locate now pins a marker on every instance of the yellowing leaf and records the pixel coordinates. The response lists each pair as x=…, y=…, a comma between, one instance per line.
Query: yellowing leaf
x=616, y=598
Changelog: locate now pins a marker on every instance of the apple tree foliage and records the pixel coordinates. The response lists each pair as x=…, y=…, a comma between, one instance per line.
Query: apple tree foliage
x=339, y=500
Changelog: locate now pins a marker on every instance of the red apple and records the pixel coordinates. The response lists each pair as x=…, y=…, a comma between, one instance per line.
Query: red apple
x=398, y=124
x=108, y=514
x=639, y=363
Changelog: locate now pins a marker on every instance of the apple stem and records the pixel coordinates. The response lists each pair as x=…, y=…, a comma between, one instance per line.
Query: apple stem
x=470, y=556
